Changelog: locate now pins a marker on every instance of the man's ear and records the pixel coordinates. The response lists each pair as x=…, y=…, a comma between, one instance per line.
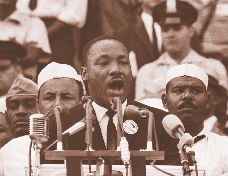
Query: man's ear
x=6, y=117
x=164, y=101
x=84, y=74
x=208, y=100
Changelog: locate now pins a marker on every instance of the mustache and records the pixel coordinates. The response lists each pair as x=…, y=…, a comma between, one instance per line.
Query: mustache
x=187, y=104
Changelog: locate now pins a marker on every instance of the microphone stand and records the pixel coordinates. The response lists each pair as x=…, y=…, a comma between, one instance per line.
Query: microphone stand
x=184, y=162
x=57, y=111
x=88, y=134
x=184, y=145
x=122, y=142
x=36, y=146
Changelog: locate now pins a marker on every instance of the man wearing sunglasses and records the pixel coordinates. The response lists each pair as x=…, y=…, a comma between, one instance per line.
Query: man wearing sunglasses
x=176, y=19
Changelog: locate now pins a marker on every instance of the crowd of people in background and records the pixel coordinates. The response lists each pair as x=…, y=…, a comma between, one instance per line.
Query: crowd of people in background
x=41, y=40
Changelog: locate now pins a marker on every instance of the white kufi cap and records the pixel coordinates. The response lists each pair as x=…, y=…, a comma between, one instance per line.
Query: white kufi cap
x=56, y=70
x=187, y=70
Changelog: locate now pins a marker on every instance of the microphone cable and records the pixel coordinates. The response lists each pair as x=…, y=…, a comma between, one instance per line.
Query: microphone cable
x=30, y=159
x=157, y=149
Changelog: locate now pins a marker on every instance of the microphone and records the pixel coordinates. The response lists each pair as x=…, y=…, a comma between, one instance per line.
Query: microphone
x=73, y=129
x=175, y=128
x=134, y=111
x=77, y=127
x=38, y=133
x=39, y=128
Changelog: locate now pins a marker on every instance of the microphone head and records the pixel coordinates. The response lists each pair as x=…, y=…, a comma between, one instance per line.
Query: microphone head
x=170, y=123
x=39, y=127
x=134, y=111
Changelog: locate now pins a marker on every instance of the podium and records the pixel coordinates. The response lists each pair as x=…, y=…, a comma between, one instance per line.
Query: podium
x=60, y=170
x=74, y=159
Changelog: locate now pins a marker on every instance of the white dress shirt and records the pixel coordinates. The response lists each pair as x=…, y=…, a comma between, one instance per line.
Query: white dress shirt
x=103, y=118
x=212, y=154
x=14, y=157
x=25, y=29
x=72, y=12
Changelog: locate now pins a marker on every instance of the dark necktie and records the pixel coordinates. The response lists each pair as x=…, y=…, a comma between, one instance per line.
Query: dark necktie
x=198, y=138
x=111, y=131
x=33, y=4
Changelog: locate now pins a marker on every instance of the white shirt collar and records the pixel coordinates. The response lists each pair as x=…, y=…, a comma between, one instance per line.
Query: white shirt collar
x=100, y=111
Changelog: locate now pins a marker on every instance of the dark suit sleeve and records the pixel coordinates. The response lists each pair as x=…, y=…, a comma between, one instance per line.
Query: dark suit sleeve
x=165, y=142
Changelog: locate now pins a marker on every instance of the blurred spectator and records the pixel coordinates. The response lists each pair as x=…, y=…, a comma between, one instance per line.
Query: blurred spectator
x=11, y=54
x=216, y=112
x=5, y=133
x=21, y=102
x=177, y=32
x=62, y=20
x=214, y=39
x=27, y=30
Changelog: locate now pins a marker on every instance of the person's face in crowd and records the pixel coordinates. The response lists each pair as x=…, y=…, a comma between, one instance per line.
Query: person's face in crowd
x=19, y=109
x=108, y=71
x=8, y=73
x=63, y=92
x=215, y=99
x=187, y=98
x=177, y=38
x=5, y=133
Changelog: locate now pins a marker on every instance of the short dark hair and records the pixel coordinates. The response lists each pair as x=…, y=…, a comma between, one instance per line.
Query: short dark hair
x=90, y=44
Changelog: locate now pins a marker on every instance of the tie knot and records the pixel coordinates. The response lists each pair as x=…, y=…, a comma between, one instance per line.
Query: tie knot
x=110, y=113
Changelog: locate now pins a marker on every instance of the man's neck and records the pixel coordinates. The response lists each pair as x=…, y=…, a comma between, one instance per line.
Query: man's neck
x=179, y=56
x=194, y=130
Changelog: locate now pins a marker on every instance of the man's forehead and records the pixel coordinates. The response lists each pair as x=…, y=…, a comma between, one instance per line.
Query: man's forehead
x=22, y=98
x=59, y=84
x=186, y=81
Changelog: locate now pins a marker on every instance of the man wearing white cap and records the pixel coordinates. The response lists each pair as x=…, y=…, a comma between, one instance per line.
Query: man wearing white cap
x=21, y=102
x=186, y=97
x=58, y=85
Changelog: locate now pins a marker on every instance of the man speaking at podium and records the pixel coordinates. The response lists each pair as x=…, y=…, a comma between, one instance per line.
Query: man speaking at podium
x=107, y=73
x=186, y=96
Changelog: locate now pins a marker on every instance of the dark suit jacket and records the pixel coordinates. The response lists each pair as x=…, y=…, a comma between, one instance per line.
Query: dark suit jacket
x=136, y=141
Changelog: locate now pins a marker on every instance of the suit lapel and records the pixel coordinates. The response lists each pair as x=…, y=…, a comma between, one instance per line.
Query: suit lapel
x=141, y=33
x=131, y=137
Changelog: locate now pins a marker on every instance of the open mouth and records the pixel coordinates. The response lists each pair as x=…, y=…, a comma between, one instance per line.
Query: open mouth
x=116, y=85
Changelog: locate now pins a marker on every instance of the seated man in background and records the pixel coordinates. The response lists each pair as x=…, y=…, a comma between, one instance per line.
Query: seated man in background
x=5, y=133
x=177, y=32
x=58, y=85
x=11, y=54
x=21, y=103
x=216, y=117
x=187, y=97
x=27, y=30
